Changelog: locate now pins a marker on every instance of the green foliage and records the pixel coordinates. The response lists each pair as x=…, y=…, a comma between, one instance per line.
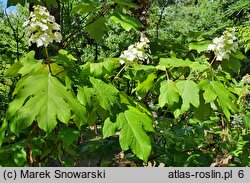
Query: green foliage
x=168, y=93
x=239, y=10
x=45, y=103
x=244, y=37
x=97, y=29
x=126, y=3
x=132, y=125
x=126, y=22
x=106, y=94
x=185, y=88
x=200, y=46
x=182, y=21
x=15, y=2
x=216, y=90
x=77, y=105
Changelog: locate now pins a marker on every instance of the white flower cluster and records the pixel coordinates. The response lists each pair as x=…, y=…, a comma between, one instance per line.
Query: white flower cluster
x=42, y=28
x=236, y=121
x=135, y=52
x=246, y=79
x=226, y=44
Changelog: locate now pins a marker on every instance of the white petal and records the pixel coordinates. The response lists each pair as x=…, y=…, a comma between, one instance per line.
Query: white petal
x=211, y=47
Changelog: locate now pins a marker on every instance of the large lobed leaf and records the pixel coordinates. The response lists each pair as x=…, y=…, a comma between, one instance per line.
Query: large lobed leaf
x=101, y=69
x=200, y=46
x=42, y=98
x=146, y=85
x=96, y=29
x=85, y=7
x=109, y=128
x=215, y=90
x=127, y=22
x=168, y=93
x=174, y=62
x=106, y=94
x=189, y=93
x=25, y=66
x=133, y=125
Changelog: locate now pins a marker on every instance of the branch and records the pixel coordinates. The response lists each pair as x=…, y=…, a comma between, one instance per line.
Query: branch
x=160, y=19
x=15, y=32
x=76, y=33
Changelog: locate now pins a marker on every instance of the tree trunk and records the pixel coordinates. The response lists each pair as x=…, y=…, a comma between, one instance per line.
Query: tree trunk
x=142, y=13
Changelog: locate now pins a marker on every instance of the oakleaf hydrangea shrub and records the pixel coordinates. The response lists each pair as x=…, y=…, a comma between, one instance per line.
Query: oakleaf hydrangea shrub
x=41, y=28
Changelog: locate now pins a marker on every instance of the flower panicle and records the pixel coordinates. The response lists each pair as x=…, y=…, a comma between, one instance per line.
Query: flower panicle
x=224, y=45
x=41, y=27
x=136, y=52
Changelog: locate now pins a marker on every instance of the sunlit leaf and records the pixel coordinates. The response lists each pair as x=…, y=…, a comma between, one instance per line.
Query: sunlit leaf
x=199, y=46
x=189, y=93
x=48, y=101
x=109, y=128
x=143, y=87
x=133, y=124
x=106, y=94
x=168, y=93
x=126, y=21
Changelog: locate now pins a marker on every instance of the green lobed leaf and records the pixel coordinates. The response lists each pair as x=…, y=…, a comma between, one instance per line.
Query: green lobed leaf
x=200, y=46
x=96, y=29
x=239, y=55
x=85, y=95
x=209, y=94
x=68, y=135
x=126, y=21
x=30, y=63
x=109, y=128
x=64, y=58
x=203, y=111
x=127, y=3
x=215, y=90
x=84, y=7
x=13, y=70
x=106, y=94
x=225, y=98
x=197, y=66
x=133, y=124
x=42, y=98
x=26, y=65
x=231, y=65
x=174, y=62
x=168, y=93
x=143, y=87
x=102, y=68
x=125, y=99
x=189, y=93
x=246, y=120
